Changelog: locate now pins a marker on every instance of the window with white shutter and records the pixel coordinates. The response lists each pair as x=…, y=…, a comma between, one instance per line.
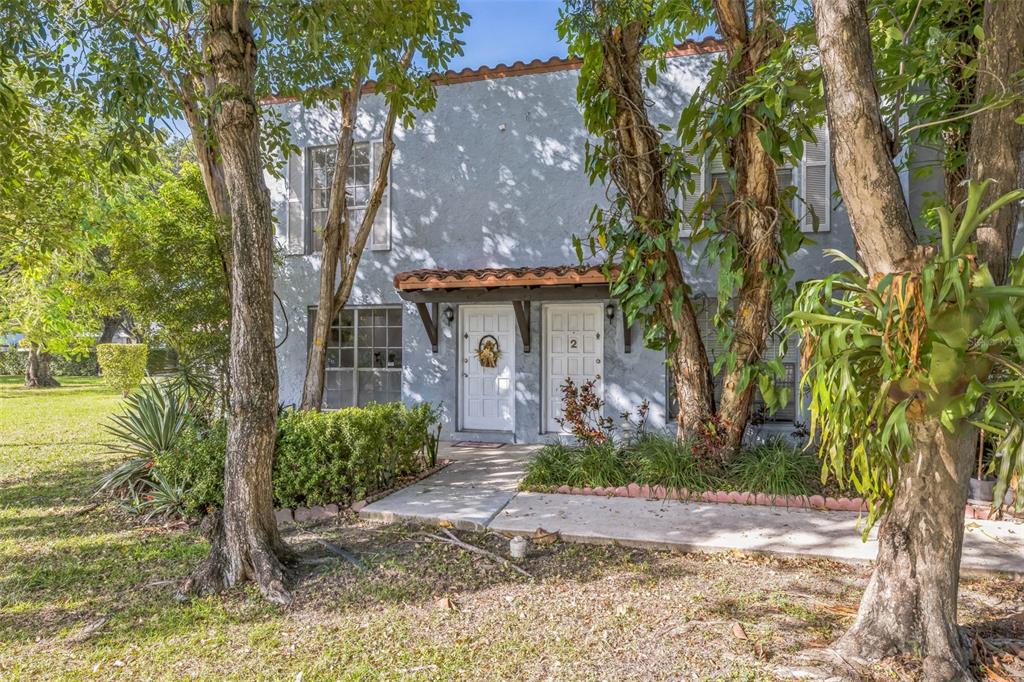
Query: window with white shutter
x=687, y=201
x=816, y=185
x=362, y=169
x=295, y=220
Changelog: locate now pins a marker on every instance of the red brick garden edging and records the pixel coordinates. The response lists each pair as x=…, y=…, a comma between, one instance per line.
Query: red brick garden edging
x=818, y=502
x=329, y=511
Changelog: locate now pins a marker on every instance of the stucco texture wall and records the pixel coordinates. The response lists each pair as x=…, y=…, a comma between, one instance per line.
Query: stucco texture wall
x=493, y=177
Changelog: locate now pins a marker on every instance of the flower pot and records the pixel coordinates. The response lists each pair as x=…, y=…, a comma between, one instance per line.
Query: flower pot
x=981, y=489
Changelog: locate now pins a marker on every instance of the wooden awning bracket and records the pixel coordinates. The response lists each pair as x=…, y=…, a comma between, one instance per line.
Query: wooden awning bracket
x=522, y=310
x=429, y=318
x=627, y=334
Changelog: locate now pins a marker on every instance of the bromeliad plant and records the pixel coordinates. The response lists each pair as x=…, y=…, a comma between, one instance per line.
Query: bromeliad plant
x=944, y=342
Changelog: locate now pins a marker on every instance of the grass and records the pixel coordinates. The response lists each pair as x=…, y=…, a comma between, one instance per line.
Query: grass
x=422, y=611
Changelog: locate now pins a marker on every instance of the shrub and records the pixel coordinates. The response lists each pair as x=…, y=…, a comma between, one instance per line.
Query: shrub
x=123, y=364
x=550, y=467
x=593, y=465
x=775, y=467
x=659, y=459
x=151, y=421
x=13, y=362
x=197, y=463
x=583, y=413
x=320, y=457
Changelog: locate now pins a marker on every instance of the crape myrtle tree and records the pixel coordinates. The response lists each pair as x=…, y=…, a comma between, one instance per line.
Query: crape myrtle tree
x=330, y=56
x=920, y=345
x=754, y=114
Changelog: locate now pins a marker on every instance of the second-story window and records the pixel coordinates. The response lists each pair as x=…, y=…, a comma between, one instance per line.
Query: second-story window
x=361, y=171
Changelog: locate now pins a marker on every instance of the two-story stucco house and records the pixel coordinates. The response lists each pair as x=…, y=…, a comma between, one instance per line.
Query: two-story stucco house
x=473, y=249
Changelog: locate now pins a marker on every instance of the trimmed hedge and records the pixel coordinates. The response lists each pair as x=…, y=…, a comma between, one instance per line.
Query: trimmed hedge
x=123, y=364
x=14, y=362
x=320, y=458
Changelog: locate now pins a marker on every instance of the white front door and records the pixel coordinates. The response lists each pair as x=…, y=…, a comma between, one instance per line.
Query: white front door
x=488, y=393
x=574, y=349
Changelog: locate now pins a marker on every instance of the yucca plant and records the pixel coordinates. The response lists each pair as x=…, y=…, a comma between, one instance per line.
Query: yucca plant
x=943, y=342
x=152, y=418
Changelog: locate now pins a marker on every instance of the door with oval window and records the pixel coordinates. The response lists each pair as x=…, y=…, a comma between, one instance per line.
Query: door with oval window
x=574, y=348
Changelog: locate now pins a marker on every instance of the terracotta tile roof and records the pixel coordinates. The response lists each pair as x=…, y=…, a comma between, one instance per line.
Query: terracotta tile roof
x=519, y=68
x=499, y=277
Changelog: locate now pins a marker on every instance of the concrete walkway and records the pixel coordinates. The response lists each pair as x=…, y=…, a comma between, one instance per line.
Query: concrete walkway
x=468, y=493
x=478, y=491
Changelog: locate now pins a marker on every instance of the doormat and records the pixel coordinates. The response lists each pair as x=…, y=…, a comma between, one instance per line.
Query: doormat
x=476, y=444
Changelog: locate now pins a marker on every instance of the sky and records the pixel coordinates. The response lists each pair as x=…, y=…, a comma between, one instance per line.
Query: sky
x=509, y=30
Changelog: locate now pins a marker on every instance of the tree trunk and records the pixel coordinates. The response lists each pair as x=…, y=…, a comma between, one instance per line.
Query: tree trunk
x=861, y=144
x=37, y=370
x=909, y=606
x=638, y=172
x=335, y=240
x=111, y=324
x=753, y=216
x=997, y=141
x=246, y=543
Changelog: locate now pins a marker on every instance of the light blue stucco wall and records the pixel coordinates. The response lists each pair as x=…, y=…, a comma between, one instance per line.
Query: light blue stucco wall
x=493, y=177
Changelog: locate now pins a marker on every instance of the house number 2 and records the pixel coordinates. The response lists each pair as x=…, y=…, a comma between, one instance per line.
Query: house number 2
x=572, y=343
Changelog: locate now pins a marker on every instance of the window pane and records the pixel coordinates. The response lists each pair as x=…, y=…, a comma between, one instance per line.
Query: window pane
x=332, y=358
x=395, y=317
x=380, y=317
x=394, y=357
x=380, y=337
x=347, y=357
x=348, y=337
x=394, y=337
x=364, y=357
x=346, y=318
x=365, y=335
x=365, y=317
x=361, y=153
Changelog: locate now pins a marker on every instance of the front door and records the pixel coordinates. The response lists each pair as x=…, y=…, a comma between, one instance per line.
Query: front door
x=488, y=367
x=574, y=349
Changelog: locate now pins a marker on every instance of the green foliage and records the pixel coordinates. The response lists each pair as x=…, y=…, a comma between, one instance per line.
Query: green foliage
x=320, y=457
x=123, y=364
x=14, y=362
x=944, y=343
x=787, y=98
x=197, y=462
x=325, y=457
x=151, y=421
x=658, y=459
x=775, y=467
x=162, y=264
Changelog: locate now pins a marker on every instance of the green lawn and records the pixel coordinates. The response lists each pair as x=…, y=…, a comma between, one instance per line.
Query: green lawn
x=422, y=610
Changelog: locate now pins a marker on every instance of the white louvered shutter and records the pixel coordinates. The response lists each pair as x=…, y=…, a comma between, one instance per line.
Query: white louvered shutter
x=295, y=177
x=380, y=236
x=815, y=182
x=688, y=201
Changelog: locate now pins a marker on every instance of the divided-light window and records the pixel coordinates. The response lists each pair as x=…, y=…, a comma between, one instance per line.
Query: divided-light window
x=362, y=169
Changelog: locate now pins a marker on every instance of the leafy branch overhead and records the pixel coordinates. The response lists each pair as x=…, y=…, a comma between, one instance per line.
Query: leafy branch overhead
x=883, y=351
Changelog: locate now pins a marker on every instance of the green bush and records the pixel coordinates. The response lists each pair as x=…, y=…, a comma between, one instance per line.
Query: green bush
x=13, y=362
x=197, y=462
x=320, y=457
x=590, y=465
x=123, y=364
x=775, y=467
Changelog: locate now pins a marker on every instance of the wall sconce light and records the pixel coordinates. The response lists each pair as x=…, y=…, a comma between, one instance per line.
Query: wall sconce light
x=609, y=311
x=449, y=314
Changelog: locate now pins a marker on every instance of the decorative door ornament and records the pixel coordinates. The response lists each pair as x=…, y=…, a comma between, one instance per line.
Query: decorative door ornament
x=488, y=352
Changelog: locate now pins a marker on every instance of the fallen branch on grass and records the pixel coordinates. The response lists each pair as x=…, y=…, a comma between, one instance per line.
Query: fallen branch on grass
x=339, y=551
x=452, y=540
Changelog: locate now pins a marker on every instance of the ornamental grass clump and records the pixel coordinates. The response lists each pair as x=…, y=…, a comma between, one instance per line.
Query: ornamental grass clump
x=774, y=467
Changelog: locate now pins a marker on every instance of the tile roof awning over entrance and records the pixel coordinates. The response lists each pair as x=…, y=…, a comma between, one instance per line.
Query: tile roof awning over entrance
x=492, y=278
x=518, y=286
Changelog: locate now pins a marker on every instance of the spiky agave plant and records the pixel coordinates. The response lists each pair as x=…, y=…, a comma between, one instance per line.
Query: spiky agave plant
x=943, y=342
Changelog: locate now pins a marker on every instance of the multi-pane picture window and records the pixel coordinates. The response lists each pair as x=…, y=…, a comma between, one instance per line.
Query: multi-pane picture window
x=364, y=357
x=705, y=310
x=361, y=170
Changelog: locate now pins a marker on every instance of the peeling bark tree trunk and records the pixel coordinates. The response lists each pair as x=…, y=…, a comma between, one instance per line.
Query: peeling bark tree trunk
x=910, y=604
x=37, y=370
x=637, y=170
x=753, y=215
x=246, y=543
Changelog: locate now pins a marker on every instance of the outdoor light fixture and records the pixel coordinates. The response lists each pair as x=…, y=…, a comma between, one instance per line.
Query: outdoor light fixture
x=449, y=314
x=609, y=311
